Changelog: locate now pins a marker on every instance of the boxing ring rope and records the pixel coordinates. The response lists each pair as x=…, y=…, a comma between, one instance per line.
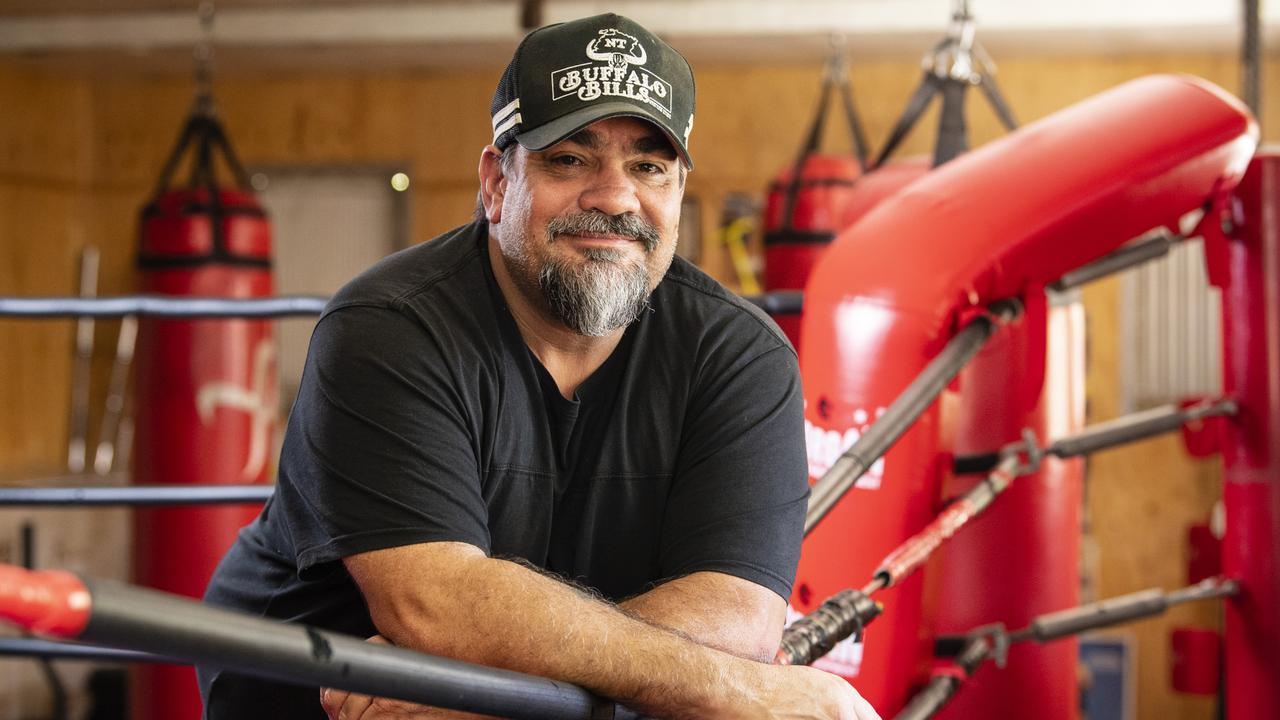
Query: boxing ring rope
x=60, y=604
x=992, y=642
x=1120, y=431
x=280, y=306
x=162, y=306
x=135, y=495
x=1130, y=255
x=905, y=410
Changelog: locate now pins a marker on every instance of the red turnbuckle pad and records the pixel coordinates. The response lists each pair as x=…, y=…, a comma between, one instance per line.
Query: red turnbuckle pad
x=55, y=603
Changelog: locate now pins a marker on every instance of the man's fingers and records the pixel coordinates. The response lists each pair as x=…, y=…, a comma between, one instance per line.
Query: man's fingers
x=331, y=700
x=355, y=707
x=342, y=705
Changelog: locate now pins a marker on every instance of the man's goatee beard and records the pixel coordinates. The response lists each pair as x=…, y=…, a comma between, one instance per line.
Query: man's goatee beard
x=610, y=288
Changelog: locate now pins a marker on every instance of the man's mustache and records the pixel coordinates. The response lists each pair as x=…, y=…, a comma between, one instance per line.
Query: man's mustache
x=598, y=223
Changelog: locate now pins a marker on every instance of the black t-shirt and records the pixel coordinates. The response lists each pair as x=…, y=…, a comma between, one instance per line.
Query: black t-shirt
x=423, y=416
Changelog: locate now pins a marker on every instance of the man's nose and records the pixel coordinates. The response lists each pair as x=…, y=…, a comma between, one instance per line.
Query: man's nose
x=612, y=191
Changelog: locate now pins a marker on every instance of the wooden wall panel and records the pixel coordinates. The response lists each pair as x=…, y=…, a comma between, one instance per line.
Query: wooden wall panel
x=44, y=129
x=45, y=161
x=36, y=358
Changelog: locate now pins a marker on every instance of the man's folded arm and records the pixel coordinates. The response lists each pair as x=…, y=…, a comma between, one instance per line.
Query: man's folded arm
x=451, y=599
x=717, y=610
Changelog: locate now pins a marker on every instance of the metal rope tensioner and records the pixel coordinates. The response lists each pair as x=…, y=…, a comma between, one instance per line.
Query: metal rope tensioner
x=847, y=612
x=815, y=634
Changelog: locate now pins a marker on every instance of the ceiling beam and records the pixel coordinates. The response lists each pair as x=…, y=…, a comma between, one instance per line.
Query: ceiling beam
x=878, y=22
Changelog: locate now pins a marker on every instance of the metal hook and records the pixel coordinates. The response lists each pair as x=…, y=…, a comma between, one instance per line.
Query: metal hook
x=1000, y=642
x=1028, y=452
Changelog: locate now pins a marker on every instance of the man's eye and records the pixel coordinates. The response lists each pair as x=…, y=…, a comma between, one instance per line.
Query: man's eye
x=650, y=168
x=566, y=160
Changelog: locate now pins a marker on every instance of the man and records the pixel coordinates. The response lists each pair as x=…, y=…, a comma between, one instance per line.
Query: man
x=539, y=443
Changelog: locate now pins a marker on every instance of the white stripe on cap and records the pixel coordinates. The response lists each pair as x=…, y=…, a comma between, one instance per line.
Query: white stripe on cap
x=511, y=122
x=501, y=116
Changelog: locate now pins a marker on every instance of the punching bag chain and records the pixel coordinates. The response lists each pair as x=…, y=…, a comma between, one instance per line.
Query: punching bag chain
x=203, y=53
x=954, y=65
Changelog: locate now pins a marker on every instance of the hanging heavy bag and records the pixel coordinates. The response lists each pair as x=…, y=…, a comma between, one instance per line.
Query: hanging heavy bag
x=806, y=203
x=206, y=389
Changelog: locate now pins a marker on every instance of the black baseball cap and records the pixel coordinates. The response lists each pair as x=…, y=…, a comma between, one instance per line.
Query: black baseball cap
x=564, y=77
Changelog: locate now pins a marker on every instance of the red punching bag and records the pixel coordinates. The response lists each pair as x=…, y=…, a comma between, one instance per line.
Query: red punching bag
x=806, y=204
x=206, y=389
x=803, y=212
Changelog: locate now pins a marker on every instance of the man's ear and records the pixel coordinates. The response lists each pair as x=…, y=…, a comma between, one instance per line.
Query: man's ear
x=493, y=184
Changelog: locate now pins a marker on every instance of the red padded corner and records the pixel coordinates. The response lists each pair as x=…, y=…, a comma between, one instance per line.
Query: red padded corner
x=49, y=602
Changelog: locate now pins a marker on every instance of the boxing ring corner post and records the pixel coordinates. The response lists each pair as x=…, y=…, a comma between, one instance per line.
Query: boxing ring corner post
x=1244, y=263
x=895, y=287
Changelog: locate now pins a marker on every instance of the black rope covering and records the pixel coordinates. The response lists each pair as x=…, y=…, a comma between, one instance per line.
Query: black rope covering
x=813, y=635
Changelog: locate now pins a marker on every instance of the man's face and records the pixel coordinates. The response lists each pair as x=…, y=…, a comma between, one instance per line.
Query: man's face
x=587, y=227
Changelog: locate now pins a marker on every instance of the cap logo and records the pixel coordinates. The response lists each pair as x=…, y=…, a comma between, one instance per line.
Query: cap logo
x=614, y=70
x=616, y=48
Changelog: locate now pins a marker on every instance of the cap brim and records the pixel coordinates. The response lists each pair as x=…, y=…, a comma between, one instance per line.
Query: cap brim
x=550, y=133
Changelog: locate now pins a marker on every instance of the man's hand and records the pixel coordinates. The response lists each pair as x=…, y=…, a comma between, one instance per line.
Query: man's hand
x=808, y=693
x=342, y=705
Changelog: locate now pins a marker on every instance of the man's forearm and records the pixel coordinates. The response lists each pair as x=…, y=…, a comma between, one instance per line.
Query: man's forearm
x=501, y=614
x=716, y=610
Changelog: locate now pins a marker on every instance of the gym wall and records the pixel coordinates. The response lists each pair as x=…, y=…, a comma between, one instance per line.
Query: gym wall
x=80, y=149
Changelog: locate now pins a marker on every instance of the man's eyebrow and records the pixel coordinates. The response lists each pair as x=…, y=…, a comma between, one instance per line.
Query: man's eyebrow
x=656, y=145
x=585, y=137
